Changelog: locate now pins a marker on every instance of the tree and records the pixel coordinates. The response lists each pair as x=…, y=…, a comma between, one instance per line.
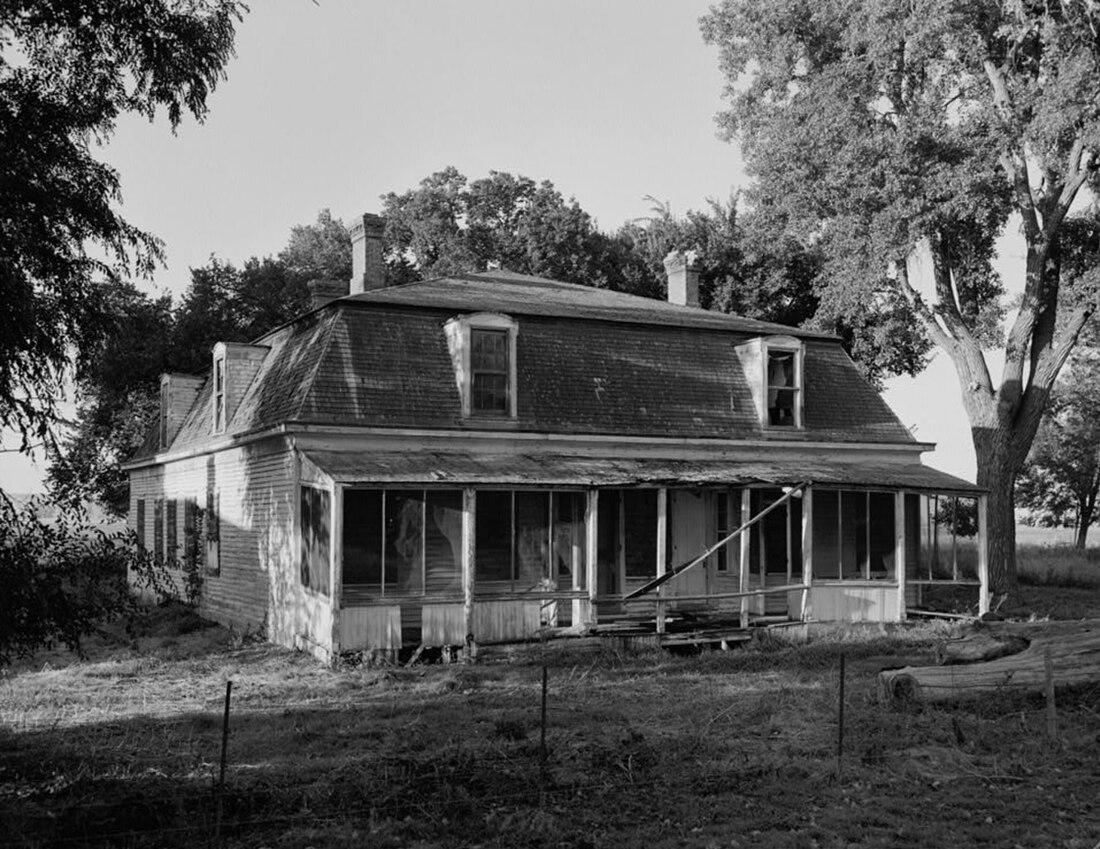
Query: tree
x=449, y=225
x=117, y=387
x=878, y=130
x=1061, y=479
x=67, y=71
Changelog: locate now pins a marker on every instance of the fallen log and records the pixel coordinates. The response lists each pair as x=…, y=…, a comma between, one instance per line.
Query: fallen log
x=979, y=646
x=1075, y=657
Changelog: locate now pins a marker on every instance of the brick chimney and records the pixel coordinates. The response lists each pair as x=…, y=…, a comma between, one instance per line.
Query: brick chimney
x=177, y=394
x=683, y=278
x=322, y=292
x=367, y=271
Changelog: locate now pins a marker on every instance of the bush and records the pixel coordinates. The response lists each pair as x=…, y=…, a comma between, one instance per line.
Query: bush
x=62, y=577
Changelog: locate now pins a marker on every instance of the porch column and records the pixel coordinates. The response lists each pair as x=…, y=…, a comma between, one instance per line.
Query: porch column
x=746, y=564
x=983, y=554
x=899, y=551
x=805, y=610
x=469, y=541
x=336, y=563
x=591, y=552
x=662, y=553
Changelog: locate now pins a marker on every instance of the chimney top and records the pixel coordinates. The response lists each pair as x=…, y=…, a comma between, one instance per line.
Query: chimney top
x=683, y=278
x=322, y=292
x=367, y=270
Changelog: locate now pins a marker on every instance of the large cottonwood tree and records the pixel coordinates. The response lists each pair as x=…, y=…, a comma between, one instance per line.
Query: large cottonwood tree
x=881, y=129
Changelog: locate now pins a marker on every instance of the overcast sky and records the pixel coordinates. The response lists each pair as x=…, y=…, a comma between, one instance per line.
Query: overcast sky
x=334, y=103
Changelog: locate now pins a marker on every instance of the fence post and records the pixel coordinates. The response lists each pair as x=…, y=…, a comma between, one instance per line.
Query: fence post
x=221, y=773
x=840, y=722
x=1052, y=710
x=542, y=741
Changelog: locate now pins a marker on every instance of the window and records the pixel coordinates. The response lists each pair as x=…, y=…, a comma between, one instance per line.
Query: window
x=853, y=535
x=164, y=400
x=529, y=540
x=192, y=534
x=212, y=525
x=315, y=535
x=775, y=542
x=483, y=354
x=219, y=394
x=403, y=542
x=139, y=522
x=723, y=526
x=489, y=372
x=783, y=388
x=158, y=529
x=170, y=531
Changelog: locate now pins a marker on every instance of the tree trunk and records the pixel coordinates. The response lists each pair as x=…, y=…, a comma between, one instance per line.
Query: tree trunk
x=997, y=473
x=1074, y=650
x=1086, y=511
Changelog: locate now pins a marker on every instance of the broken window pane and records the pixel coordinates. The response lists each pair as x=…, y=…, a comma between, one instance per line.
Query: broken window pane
x=532, y=539
x=403, y=564
x=443, y=542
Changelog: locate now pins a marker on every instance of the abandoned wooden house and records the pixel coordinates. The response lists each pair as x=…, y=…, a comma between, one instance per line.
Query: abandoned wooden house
x=492, y=457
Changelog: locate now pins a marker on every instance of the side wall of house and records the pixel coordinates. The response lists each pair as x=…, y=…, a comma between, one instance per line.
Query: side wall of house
x=247, y=494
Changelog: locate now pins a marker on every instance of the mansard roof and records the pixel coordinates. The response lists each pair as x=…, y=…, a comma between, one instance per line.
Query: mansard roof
x=589, y=361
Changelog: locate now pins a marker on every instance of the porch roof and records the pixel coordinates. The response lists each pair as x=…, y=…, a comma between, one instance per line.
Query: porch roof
x=463, y=468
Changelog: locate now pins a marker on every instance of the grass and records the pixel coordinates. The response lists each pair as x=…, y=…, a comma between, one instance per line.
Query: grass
x=723, y=749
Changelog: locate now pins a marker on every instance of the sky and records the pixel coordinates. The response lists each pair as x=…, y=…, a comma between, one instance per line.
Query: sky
x=333, y=103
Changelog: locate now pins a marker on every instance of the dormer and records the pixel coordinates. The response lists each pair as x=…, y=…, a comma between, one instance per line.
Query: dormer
x=483, y=352
x=177, y=395
x=235, y=364
x=773, y=367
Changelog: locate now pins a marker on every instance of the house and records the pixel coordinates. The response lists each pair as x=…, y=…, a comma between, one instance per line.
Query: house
x=487, y=456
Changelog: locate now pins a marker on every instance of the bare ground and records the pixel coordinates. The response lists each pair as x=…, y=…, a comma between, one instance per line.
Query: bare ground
x=726, y=749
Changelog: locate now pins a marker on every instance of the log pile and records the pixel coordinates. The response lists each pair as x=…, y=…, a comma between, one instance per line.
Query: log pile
x=1000, y=658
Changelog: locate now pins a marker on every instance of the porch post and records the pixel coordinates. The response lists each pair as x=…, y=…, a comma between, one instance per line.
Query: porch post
x=746, y=565
x=592, y=551
x=469, y=540
x=336, y=563
x=983, y=554
x=662, y=553
x=805, y=610
x=899, y=551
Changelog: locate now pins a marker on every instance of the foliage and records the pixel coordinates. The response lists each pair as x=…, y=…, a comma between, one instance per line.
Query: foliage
x=959, y=515
x=66, y=72
x=63, y=578
x=449, y=225
x=118, y=382
x=1061, y=480
x=893, y=137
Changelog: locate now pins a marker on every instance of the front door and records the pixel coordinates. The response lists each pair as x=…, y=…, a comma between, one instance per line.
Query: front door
x=687, y=534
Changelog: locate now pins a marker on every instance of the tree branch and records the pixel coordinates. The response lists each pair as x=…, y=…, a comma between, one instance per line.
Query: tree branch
x=1014, y=162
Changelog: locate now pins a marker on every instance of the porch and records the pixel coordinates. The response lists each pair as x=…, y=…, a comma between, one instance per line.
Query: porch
x=416, y=565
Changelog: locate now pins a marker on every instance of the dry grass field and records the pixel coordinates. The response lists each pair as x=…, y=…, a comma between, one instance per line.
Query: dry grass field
x=723, y=749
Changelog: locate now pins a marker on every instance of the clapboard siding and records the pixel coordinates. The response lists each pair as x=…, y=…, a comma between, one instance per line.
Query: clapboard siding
x=254, y=489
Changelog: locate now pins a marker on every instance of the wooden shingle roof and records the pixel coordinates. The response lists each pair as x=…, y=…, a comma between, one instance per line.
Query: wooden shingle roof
x=589, y=361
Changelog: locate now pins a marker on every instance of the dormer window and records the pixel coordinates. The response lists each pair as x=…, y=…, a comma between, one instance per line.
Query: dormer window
x=772, y=366
x=483, y=353
x=782, y=383
x=489, y=372
x=219, y=394
x=165, y=401
x=782, y=390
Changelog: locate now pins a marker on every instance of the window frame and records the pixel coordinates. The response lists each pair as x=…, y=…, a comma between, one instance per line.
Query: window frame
x=459, y=332
x=218, y=393
x=788, y=346
x=864, y=548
